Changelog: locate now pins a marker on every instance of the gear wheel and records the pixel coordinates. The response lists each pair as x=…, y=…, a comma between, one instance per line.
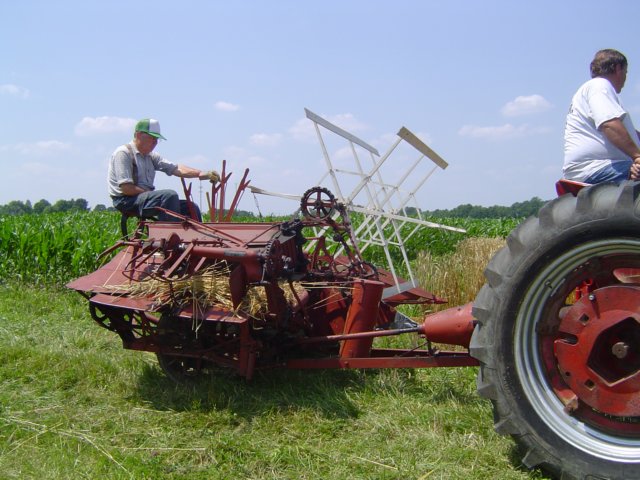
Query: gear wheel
x=318, y=203
x=273, y=262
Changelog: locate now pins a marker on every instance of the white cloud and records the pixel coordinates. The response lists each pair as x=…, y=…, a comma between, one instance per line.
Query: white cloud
x=39, y=148
x=226, y=106
x=41, y=169
x=526, y=105
x=503, y=132
x=233, y=151
x=303, y=129
x=14, y=90
x=344, y=153
x=256, y=160
x=385, y=140
x=101, y=125
x=348, y=122
x=265, y=139
x=199, y=161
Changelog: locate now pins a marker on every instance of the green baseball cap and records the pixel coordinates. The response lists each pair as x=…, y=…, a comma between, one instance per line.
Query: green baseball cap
x=150, y=127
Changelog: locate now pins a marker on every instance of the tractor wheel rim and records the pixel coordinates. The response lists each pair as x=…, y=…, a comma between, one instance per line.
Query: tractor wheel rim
x=548, y=394
x=597, y=350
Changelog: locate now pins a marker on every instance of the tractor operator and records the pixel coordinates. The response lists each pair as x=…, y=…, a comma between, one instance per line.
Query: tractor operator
x=600, y=142
x=132, y=171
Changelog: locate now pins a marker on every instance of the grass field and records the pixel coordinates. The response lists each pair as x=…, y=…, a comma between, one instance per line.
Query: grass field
x=74, y=404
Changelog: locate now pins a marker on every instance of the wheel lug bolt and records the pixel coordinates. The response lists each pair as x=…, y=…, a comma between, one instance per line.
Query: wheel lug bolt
x=620, y=350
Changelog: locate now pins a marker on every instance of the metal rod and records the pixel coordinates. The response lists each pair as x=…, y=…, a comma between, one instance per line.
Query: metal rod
x=354, y=336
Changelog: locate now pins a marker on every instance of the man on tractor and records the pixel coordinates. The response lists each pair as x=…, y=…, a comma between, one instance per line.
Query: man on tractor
x=132, y=171
x=600, y=141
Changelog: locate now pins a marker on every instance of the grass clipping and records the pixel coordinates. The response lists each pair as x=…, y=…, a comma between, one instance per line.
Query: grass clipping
x=204, y=289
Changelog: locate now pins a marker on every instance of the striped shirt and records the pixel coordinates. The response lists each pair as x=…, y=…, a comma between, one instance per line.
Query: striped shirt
x=121, y=169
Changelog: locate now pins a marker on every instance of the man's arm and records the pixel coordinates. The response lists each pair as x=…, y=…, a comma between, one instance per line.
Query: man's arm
x=130, y=190
x=188, y=172
x=617, y=134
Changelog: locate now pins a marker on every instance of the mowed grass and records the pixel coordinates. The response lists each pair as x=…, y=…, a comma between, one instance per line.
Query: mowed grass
x=74, y=404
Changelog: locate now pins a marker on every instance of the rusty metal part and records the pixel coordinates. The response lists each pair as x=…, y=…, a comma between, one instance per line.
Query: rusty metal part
x=365, y=301
x=318, y=310
x=598, y=350
x=453, y=326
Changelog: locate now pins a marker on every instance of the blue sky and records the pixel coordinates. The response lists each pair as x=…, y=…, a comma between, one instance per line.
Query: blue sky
x=486, y=84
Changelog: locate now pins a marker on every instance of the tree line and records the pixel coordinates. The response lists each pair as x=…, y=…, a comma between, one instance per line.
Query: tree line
x=516, y=210
x=18, y=207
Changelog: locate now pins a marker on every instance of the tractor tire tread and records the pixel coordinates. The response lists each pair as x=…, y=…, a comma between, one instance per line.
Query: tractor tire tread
x=558, y=220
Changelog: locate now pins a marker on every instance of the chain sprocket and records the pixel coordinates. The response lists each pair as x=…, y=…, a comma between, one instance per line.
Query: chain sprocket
x=318, y=203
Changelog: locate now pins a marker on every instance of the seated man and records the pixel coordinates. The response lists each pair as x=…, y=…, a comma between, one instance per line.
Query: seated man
x=600, y=141
x=132, y=170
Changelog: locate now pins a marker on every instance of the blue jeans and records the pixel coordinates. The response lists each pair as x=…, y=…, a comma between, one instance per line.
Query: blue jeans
x=145, y=205
x=616, y=172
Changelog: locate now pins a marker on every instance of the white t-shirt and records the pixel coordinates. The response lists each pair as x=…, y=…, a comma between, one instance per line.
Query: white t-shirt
x=586, y=149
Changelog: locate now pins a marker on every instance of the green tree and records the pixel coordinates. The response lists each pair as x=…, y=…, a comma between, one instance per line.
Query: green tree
x=516, y=210
x=16, y=207
x=41, y=206
x=80, y=204
x=70, y=205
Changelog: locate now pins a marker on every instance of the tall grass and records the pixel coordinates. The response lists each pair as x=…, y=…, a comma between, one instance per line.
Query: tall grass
x=438, y=241
x=456, y=276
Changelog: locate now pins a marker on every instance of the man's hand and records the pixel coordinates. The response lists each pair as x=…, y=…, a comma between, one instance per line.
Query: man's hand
x=212, y=176
x=634, y=172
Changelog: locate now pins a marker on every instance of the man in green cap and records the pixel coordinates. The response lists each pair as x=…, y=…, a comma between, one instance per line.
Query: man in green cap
x=132, y=171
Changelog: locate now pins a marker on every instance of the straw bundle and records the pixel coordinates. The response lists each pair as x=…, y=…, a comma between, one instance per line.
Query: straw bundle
x=204, y=289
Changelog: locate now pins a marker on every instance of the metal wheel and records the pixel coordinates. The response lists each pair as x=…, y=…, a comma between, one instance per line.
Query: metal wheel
x=178, y=334
x=273, y=261
x=559, y=335
x=317, y=203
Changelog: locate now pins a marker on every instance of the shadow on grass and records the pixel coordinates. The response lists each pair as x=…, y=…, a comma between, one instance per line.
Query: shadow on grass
x=333, y=394
x=275, y=390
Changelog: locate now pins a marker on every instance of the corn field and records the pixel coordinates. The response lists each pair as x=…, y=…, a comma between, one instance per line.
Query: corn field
x=55, y=248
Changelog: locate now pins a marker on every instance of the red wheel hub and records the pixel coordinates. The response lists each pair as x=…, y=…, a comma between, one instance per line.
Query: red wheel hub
x=598, y=350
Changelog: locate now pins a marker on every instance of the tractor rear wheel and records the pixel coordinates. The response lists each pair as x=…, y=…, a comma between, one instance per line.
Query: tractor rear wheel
x=558, y=335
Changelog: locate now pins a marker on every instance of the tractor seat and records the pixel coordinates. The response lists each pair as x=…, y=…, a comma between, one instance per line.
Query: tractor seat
x=564, y=186
x=125, y=215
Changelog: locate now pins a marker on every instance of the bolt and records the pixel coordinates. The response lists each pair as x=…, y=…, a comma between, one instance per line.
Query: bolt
x=620, y=350
x=592, y=297
x=571, y=404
